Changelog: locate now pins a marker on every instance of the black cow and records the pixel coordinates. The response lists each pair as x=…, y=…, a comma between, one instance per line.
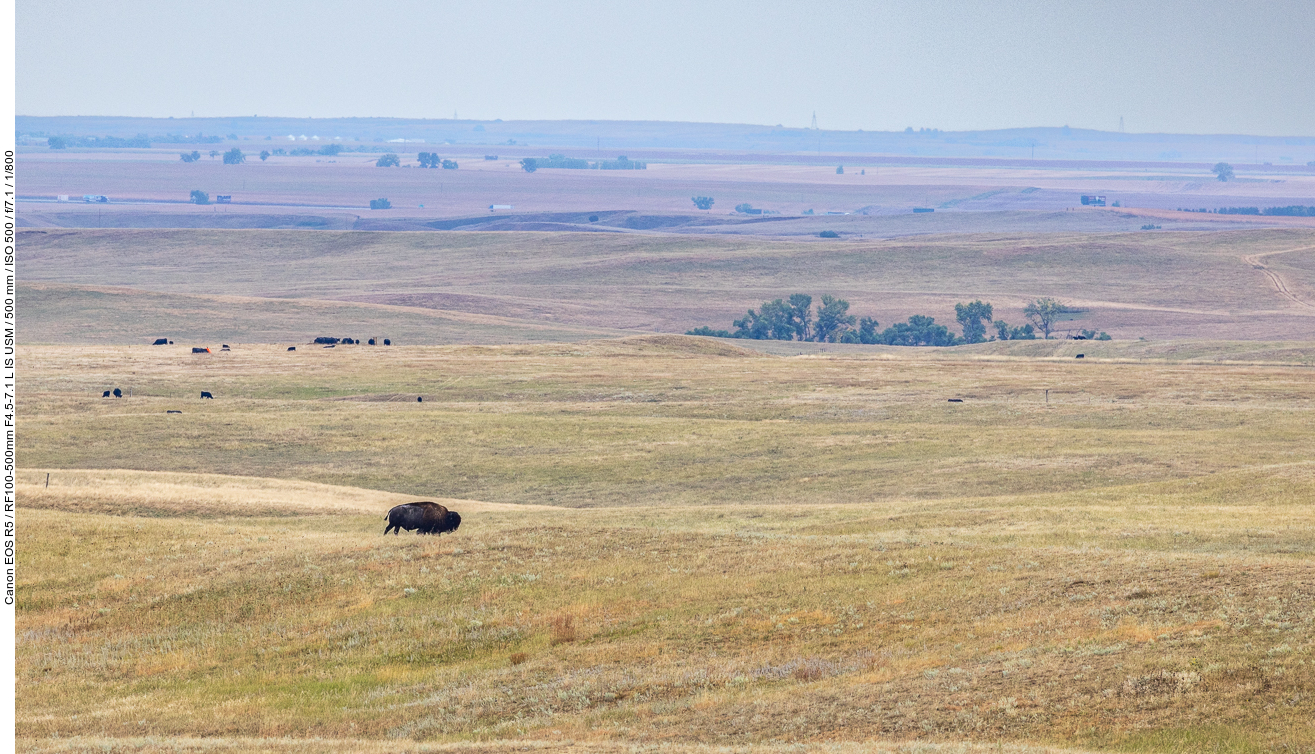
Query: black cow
x=420, y=399
x=161, y=342
x=427, y=517
x=118, y=393
x=371, y=341
x=292, y=348
x=206, y=394
x=1080, y=356
x=387, y=342
x=106, y=394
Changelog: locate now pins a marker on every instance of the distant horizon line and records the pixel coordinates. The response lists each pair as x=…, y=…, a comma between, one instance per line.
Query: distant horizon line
x=474, y=121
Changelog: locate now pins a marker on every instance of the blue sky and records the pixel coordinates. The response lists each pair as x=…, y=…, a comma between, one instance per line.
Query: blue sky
x=1191, y=67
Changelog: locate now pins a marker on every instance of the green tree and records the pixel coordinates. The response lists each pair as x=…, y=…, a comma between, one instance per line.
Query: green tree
x=188, y=157
x=703, y=202
x=1005, y=332
x=380, y=204
x=529, y=164
x=833, y=320
x=1044, y=313
x=970, y=318
x=264, y=155
x=828, y=234
x=234, y=156
x=920, y=330
x=389, y=160
x=199, y=197
x=427, y=160
x=1223, y=171
x=840, y=170
x=213, y=154
x=57, y=142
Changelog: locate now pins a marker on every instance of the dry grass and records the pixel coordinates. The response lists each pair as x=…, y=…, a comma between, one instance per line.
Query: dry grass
x=811, y=550
x=1132, y=284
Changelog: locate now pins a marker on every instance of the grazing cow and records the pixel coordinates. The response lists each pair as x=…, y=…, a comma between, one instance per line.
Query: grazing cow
x=956, y=400
x=420, y=399
x=106, y=394
x=1080, y=356
x=118, y=393
x=224, y=347
x=161, y=342
x=428, y=518
x=206, y=394
x=387, y=342
x=371, y=341
x=171, y=411
x=292, y=348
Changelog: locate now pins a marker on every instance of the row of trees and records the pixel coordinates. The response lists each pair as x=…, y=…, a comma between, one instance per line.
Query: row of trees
x=233, y=156
x=794, y=319
x=560, y=161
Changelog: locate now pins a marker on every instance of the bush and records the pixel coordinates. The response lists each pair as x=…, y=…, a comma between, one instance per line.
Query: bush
x=199, y=197
x=703, y=202
x=380, y=204
x=389, y=160
x=828, y=234
x=593, y=218
x=709, y=332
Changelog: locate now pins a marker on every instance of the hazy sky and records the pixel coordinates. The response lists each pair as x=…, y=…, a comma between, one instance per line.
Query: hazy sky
x=1199, y=66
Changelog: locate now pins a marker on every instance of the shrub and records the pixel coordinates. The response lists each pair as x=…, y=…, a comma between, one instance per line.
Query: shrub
x=828, y=234
x=562, y=629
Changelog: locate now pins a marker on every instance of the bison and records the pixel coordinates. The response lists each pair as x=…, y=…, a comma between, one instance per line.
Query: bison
x=429, y=518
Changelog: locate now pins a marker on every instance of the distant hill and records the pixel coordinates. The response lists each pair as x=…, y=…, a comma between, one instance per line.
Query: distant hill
x=615, y=137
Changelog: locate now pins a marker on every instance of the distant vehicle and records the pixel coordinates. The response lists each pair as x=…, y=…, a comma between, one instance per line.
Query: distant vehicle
x=223, y=198
x=1094, y=201
x=98, y=198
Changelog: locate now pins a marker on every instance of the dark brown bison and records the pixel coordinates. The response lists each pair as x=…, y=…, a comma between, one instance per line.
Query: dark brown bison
x=429, y=518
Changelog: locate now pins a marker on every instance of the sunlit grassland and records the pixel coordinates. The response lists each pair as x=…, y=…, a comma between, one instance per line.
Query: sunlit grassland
x=746, y=550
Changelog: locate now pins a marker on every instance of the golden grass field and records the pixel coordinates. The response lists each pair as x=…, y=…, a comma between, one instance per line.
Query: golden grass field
x=669, y=544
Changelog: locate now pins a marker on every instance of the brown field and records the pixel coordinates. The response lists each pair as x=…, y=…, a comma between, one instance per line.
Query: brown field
x=334, y=193
x=1256, y=285
x=672, y=544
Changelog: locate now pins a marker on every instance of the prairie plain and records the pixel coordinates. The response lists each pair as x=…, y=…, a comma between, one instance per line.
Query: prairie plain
x=476, y=287
x=669, y=542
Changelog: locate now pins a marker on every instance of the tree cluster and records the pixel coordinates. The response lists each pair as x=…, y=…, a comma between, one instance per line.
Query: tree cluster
x=560, y=161
x=234, y=156
x=140, y=141
x=380, y=204
x=432, y=160
x=795, y=319
x=702, y=202
x=389, y=160
x=192, y=156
